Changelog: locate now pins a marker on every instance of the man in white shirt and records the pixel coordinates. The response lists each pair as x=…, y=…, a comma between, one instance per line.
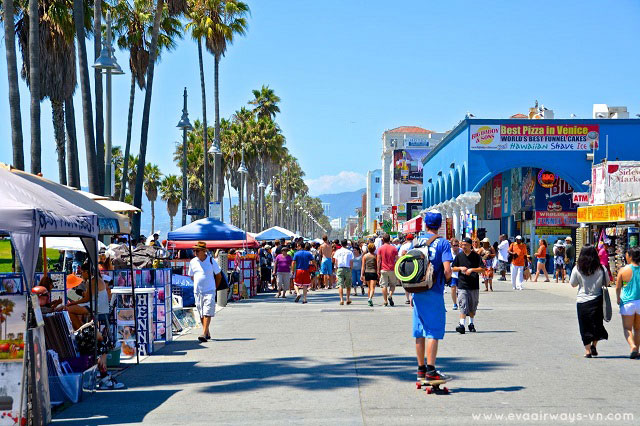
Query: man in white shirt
x=503, y=257
x=344, y=263
x=205, y=273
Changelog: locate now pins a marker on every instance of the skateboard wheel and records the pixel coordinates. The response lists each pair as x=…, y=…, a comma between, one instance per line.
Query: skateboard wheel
x=446, y=390
x=430, y=391
x=418, y=386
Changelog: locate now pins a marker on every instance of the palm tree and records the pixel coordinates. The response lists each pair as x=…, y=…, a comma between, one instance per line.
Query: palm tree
x=132, y=26
x=198, y=32
x=171, y=190
x=85, y=88
x=73, y=166
x=117, y=160
x=219, y=21
x=34, y=88
x=14, y=90
x=132, y=175
x=57, y=77
x=175, y=7
x=265, y=102
x=152, y=178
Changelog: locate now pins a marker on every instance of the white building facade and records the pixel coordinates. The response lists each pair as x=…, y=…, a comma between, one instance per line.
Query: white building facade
x=403, y=150
x=374, y=199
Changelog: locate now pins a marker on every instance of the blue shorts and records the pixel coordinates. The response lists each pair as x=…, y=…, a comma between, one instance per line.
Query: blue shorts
x=326, y=267
x=355, y=278
x=454, y=282
x=429, y=315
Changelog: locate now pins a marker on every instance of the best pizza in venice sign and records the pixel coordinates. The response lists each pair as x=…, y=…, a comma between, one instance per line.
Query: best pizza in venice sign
x=534, y=137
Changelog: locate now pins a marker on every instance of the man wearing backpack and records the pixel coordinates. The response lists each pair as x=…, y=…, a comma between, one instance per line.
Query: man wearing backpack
x=429, y=314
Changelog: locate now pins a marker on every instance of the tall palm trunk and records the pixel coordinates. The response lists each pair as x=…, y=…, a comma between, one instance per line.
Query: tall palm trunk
x=205, y=133
x=14, y=90
x=171, y=222
x=97, y=85
x=34, y=86
x=142, y=157
x=153, y=216
x=73, y=167
x=57, y=111
x=85, y=89
x=218, y=158
x=127, y=147
x=229, y=192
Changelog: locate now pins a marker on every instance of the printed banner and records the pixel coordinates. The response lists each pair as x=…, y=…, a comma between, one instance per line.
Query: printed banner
x=556, y=219
x=496, y=196
x=407, y=165
x=606, y=213
x=534, y=137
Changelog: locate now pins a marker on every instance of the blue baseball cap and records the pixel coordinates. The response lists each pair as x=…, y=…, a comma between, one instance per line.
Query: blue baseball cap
x=433, y=219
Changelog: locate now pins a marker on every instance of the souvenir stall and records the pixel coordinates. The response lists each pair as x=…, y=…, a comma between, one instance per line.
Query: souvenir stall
x=28, y=212
x=618, y=224
x=216, y=235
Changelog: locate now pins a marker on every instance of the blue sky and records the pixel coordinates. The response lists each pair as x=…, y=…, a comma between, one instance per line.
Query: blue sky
x=347, y=70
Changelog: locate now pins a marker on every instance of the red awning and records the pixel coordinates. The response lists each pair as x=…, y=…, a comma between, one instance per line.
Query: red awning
x=250, y=242
x=413, y=225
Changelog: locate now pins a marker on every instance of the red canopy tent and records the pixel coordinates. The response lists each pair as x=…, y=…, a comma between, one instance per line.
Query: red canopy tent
x=250, y=242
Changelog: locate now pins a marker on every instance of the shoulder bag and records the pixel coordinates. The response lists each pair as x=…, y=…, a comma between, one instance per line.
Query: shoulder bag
x=606, y=299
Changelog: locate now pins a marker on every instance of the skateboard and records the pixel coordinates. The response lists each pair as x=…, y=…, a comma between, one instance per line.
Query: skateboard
x=433, y=386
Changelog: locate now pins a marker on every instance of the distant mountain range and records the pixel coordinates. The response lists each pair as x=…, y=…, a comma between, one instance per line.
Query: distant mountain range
x=342, y=205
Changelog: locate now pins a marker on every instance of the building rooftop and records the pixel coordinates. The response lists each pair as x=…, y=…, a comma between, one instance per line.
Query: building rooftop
x=409, y=129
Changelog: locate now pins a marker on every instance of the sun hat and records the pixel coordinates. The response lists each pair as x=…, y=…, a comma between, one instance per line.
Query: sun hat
x=519, y=237
x=410, y=237
x=486, y=240
x=568, y=239
x=200, y=245
x=73, y=281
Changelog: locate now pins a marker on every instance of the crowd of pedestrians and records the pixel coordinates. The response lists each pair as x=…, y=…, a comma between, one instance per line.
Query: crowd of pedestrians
x=299, y=267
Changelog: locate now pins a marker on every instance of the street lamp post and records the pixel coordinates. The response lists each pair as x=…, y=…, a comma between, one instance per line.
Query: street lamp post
x=107, y=63
x=215, y=151
x=261, y=188
x=185, y=125
x=243, y=171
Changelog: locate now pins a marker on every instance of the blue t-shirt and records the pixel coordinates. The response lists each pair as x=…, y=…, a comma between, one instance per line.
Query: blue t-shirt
x=439, y=252
x=302, y=258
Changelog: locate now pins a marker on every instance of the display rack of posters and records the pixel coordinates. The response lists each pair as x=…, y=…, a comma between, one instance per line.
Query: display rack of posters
x=59, y=289
x=246, y=266
x=12, y=333
x=162, y=305
x=125, y=320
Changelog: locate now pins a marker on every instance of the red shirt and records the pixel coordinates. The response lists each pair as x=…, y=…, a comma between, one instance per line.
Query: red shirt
x=387, y=255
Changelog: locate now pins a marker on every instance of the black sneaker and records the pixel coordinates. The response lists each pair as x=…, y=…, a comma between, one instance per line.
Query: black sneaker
x=460, y=328
x=391, y=301
x=436, y=375
x=422, y=374
x=472, y=328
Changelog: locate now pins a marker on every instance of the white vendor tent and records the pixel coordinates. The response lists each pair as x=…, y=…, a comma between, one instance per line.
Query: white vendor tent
x=29, y=211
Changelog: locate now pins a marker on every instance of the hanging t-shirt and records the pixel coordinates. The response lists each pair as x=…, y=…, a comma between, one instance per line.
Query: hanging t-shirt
x=472, y=260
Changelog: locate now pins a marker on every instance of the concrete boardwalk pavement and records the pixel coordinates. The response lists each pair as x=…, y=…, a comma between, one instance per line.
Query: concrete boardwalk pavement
x=273, y=361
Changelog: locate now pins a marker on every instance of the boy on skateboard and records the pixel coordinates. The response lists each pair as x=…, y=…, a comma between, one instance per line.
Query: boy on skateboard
x=429, y=314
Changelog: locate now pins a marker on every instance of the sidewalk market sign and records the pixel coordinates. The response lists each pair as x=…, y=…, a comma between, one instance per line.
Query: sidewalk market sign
x=615, y=182
x=602, y=214
x=534, y=137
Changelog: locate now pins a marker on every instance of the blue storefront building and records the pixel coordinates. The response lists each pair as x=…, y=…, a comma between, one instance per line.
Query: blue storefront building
x=519, y=176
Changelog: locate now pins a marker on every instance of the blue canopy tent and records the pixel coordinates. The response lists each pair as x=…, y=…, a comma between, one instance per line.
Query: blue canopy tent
x=275, y=233
x=207, y=229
